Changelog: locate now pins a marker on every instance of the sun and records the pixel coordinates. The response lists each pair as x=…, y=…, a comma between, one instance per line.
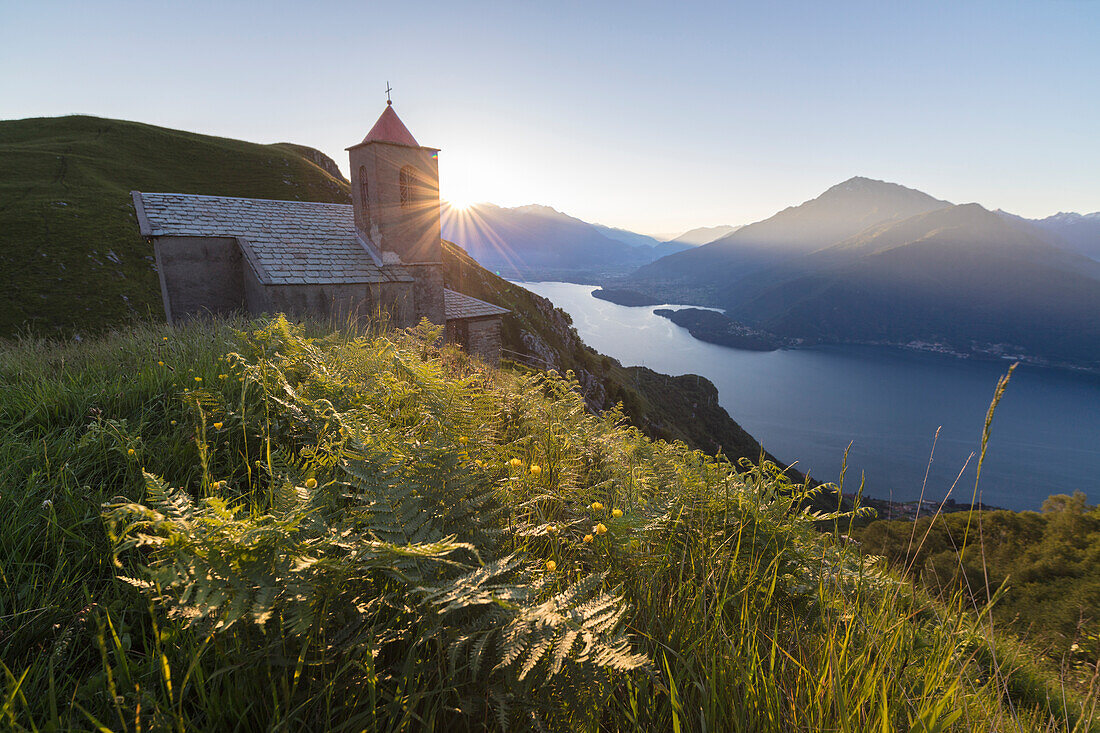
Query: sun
x=459, y=204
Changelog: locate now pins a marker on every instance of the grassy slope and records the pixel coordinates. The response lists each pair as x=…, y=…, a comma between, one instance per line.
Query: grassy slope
x=70, y=255
x=71, y=258
x=672, y=408
x=346, y=461
x=1048, y=560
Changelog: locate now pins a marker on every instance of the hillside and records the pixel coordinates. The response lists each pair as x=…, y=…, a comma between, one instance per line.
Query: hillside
x=541, y=243
x=539, y=335
x=626, y=236
x=962, y=276
x=703, y=235
x=1046, y=559
x=1078, y=233
x=65, y=210
x=70, y=255
x=702, y=276
x=248, y=526
x=716, y=328
x=875, y=262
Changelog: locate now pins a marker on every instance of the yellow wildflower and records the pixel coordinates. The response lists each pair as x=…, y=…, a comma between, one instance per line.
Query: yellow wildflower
x=165, y=338
x=311, y=483
x=600, y=529
x=551, y=565
x=588, y=538
x=198, y=379
x=160, y=363
x=223, y=376
x=535, y=469
x=464, y=440
x=552, y=529
x=131, y=452
x=217, y=426
x=596, y=506
x=173, y=422
x=616, y=513
x=515, y=463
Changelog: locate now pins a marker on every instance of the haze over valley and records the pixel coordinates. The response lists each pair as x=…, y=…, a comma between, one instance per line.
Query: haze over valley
x=865, y=262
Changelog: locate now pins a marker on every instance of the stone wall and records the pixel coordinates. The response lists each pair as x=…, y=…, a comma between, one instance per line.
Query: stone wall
x=480, y=337
x=428, y=290
x=388, y=304
x=210, y=276
x=199, y=276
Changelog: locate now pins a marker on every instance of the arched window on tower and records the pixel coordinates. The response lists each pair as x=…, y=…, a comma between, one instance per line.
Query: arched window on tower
x=364, y=199
x=408, y=182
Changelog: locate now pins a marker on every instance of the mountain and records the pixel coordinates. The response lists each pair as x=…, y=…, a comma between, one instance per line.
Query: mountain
x=627, y=237
x=703, y=235
x=703, y=274
x=1078, y=233
x=664, y=249
x=959, y=276
x=528, y=242
x=869, y=261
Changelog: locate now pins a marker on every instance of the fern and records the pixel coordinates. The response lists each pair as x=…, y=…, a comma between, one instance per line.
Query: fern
x=400, y=520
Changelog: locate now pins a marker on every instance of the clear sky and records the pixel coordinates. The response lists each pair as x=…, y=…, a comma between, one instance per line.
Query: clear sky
x=654, y=116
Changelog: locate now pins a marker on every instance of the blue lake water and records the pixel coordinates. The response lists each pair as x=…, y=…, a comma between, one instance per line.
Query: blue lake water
x=807, y=405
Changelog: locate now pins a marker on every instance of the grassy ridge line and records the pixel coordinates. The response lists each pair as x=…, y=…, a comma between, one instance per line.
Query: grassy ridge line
x=71, y=259
x=291, y=482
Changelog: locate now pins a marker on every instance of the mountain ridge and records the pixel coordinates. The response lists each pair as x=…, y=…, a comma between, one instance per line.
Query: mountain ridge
x=704, y=235
x=841, y=211
x=535, y=241
x=919, y=279
x=908, y=268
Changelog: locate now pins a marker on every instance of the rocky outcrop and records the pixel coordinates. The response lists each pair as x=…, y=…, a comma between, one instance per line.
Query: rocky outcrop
x=322, y=161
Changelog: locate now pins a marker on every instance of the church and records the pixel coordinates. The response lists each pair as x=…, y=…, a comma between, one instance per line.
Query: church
x=377, y=260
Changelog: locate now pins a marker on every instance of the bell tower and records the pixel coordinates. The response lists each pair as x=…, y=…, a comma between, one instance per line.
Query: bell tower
x=395, y=194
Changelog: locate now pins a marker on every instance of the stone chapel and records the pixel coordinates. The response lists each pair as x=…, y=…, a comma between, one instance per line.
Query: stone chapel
x=379, y=259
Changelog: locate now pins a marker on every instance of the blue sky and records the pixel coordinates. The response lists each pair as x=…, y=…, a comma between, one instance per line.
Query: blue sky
x=652, y=116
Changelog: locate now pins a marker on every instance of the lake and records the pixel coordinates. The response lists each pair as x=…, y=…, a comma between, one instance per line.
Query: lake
x=807, y=405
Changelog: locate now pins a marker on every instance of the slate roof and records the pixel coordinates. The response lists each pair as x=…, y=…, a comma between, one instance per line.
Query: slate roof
x=458, y=305
x=286, y=242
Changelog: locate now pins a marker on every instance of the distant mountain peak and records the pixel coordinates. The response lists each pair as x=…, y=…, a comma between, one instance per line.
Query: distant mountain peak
x=705, y=235
x=855, y=181
x=864, y=185
x=538, y=209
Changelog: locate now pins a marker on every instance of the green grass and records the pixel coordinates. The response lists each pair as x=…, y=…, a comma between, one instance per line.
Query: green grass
x=72, y=262
x=71, y=258
x=1047, y=561
x=671, y=408
x=348, y=533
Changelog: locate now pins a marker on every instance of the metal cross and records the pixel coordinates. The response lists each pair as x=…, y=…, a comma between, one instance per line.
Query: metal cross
x=388, y=90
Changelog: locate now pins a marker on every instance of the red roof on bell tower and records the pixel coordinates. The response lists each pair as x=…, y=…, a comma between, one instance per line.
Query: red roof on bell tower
x=390, y=129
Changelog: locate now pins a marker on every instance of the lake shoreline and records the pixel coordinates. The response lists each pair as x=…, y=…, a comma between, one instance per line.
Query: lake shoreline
x=986, y=352
x=906, y=409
